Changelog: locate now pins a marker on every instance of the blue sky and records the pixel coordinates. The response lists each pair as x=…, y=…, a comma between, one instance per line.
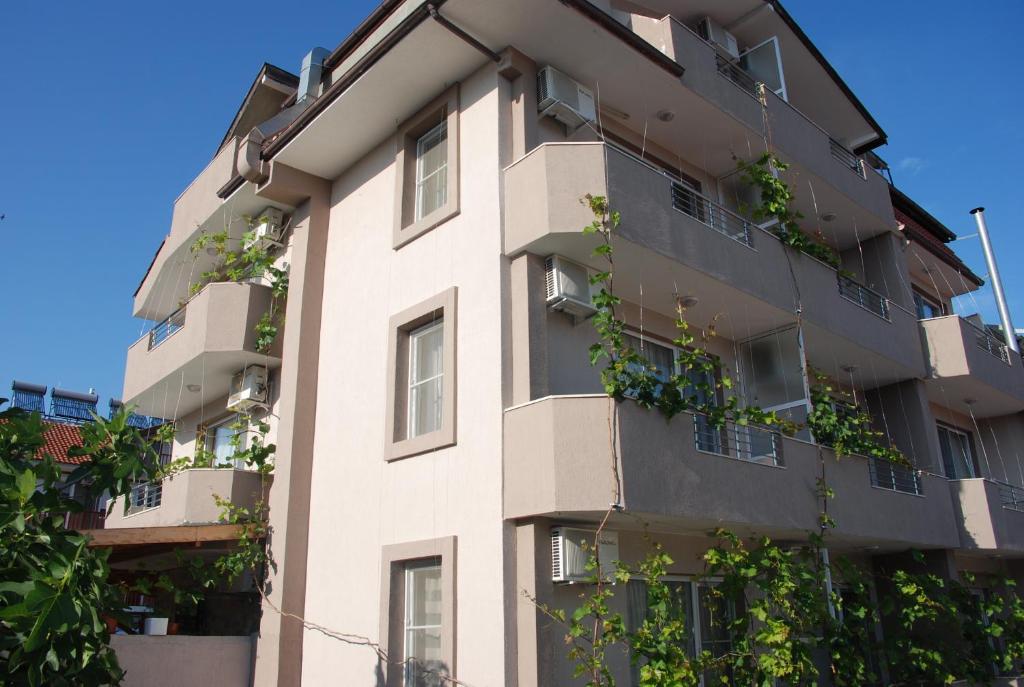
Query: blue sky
x=111, y=108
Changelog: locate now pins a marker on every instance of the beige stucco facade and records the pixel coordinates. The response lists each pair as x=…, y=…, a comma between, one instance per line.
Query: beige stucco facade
x=526, y=439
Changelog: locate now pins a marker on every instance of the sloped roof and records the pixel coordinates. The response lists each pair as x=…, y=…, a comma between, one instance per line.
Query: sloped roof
x=921, y=227
x=60, y=437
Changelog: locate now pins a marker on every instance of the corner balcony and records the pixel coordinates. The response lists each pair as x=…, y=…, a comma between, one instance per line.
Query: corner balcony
x=968, y=364
x=801, y=141
x=990, y=515
x=559, y=462
x=673, y=240
x=187, y=498
x=188, y=359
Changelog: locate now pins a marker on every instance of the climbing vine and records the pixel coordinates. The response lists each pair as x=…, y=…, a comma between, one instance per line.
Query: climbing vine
x=628, y=375
x=763, y=175
x=252, y=261
x=789, y=607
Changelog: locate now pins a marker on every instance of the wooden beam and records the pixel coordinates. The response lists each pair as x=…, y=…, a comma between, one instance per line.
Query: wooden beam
x=180, y=534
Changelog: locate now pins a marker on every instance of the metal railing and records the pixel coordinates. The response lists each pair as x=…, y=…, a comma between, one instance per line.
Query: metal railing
x=751, y=443
x=872, y=301
x=894, y=477
x=1011, y=496
x=989, y=342
x=707, y=211
x=847, y=158
x=144, y=496
x=164, y=330
x=737, y=74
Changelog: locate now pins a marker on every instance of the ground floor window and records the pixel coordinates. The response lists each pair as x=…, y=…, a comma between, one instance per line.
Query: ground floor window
x=707, y=614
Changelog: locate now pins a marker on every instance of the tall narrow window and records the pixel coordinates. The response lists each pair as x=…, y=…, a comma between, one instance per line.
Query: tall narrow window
x=423, y=659
x=426, y=378
x=432, y=170
x=957, y=457
x=716, y=613
x=223, y=440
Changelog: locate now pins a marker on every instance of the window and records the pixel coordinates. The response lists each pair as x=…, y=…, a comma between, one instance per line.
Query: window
x=432, y=170
x=708, y=626
x=418, y=612
x=957, y=455
x=427, y=168
x=421, y=375
x=426, y=376
x=700, y=387
x=224, y=439
x=422, y=624
x=927, y=307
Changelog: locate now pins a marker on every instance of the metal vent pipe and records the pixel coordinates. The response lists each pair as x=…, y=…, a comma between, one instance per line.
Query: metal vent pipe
x=1009, y=333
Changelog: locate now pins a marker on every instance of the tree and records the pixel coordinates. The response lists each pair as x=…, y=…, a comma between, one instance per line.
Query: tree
x=54, y=589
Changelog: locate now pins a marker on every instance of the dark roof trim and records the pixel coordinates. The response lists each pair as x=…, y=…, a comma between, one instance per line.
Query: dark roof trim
x=277, y=74
x=359, y=34
x=358, y=69
x=607, y=22
x=830, y=70
x=150, y=268
x=910, y=208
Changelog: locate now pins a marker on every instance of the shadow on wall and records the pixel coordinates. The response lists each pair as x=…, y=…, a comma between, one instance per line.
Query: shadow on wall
x=420, y=674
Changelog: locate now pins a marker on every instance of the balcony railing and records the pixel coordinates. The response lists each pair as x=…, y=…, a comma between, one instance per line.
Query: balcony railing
x=165, y=329
x=705, y=210
x=754, y=444
x=145, y=496
x=1011, y=496
x=872, y=301
x=895, y=477
x=847, y=158
x=736, y=74
x=990, y=343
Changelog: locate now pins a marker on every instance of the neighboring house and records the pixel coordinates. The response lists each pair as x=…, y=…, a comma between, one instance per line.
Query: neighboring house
x=439, y=429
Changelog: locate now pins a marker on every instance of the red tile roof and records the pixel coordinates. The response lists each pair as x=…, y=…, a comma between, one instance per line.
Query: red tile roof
x=59, y=438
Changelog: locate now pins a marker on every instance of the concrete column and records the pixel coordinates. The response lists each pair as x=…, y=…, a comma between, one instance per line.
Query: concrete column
x=521, y=71
x=279, y=648
x=909, y=420
x=536, y=635
x=880, y=264
x=529, y=329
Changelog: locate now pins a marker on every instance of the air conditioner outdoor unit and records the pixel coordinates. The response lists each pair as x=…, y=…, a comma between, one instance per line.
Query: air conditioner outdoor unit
x=248, y=388
x=572, y=548
x=561, y=97
x=568, y=287
x=268, y=226
x=712, y=31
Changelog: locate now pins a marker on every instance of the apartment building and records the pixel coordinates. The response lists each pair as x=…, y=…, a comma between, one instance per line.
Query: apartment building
x=440, y=431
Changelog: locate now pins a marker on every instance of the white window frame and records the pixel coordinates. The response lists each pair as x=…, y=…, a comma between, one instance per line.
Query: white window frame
x=411, y=405
x=438, y=134
x=693, y=621
x=409, y=570
x=211, y=439
x=967, y=442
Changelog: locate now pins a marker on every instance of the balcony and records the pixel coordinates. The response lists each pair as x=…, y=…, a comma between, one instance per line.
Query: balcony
x=968, y=364
x=990, y=514
x=672, y=238
x=559, y=462
x=187, y=498
x=733, y=90
x=189, y=358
